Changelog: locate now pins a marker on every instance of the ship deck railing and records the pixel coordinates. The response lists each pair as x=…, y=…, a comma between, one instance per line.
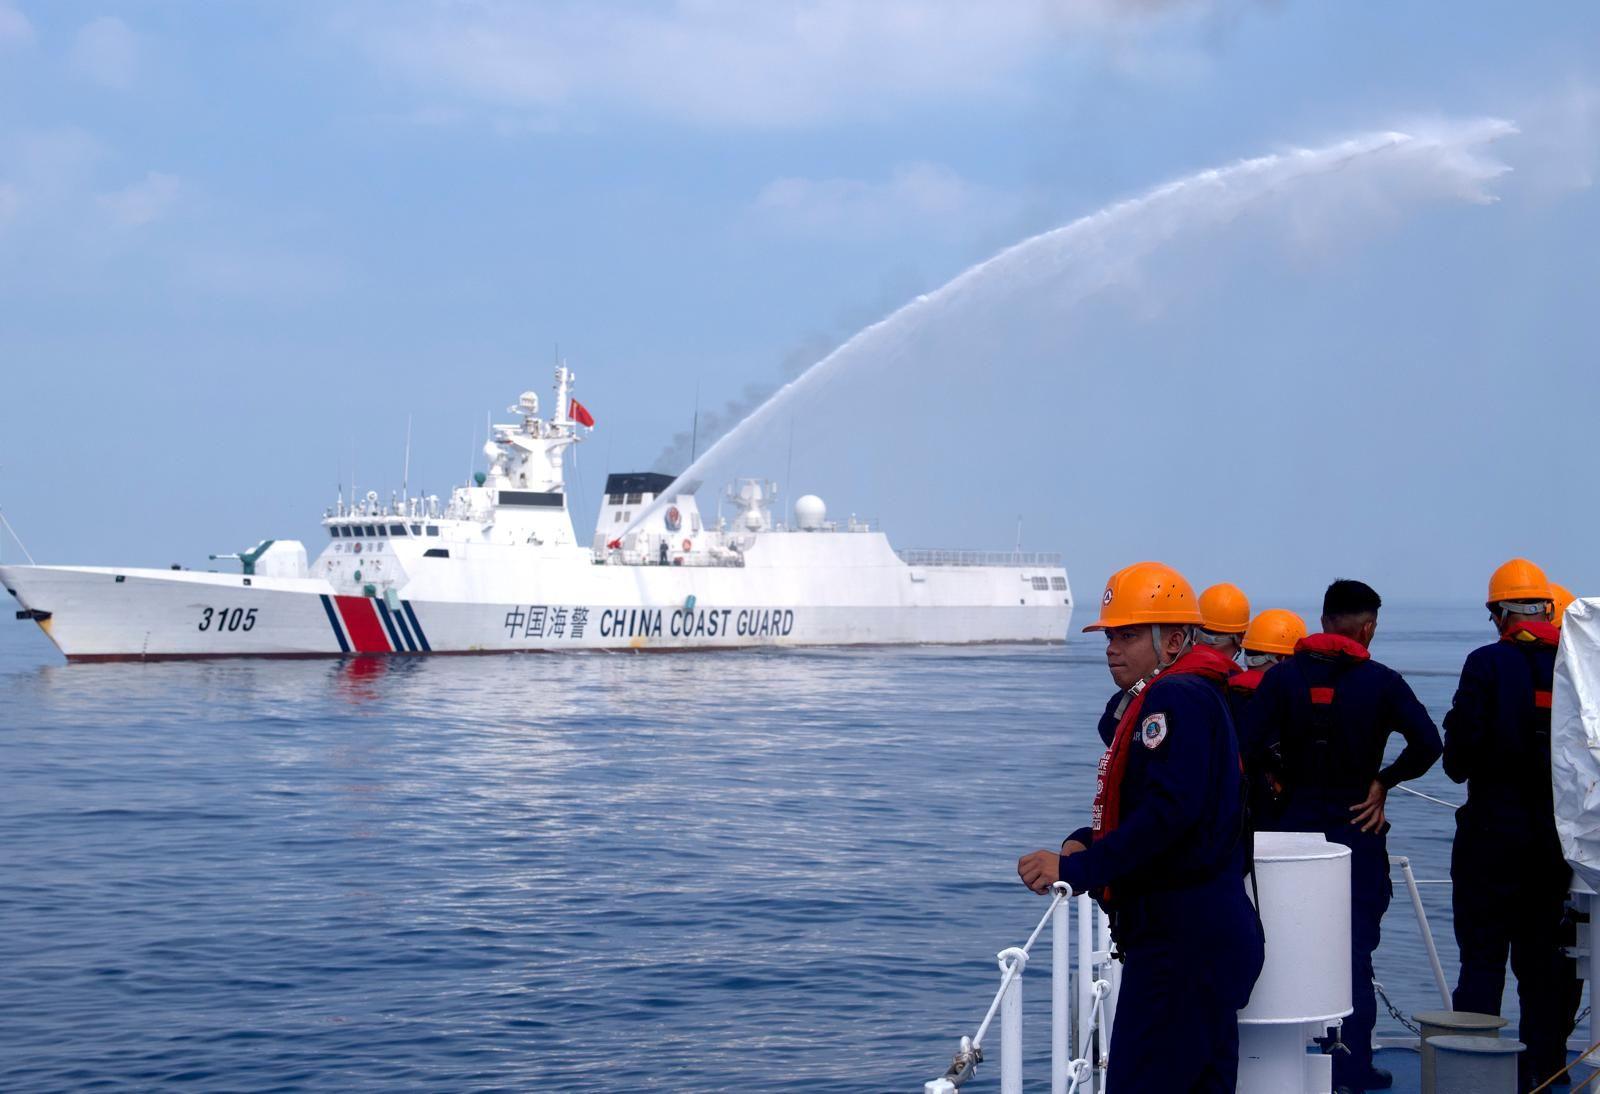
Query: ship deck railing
x=1085, y=979
x=922, y=556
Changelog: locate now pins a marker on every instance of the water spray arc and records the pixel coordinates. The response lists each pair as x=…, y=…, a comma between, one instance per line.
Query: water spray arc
x=1446, y=162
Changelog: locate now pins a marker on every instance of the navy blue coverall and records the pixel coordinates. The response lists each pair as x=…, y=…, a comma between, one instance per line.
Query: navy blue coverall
x=1510, y=876
x=1319, y=721
x=1175, y=863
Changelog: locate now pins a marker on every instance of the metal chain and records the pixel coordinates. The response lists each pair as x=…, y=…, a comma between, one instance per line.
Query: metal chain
x=1394, y=1012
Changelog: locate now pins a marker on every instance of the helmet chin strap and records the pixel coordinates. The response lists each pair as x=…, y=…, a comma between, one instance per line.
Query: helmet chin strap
x=1162, y=663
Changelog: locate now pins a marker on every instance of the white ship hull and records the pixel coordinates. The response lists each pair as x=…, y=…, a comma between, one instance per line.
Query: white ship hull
x=101, y=613
x=499, y=569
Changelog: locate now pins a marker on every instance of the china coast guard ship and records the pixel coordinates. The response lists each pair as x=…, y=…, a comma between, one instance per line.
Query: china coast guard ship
x=498, y=568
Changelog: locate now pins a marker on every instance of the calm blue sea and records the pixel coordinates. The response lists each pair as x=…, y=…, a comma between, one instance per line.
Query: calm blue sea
x=729, y=871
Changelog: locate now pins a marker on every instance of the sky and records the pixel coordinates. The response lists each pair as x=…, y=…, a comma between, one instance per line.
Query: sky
x=242, y=245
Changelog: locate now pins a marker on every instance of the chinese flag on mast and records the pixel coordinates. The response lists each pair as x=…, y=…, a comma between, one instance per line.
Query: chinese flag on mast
x=580, y=414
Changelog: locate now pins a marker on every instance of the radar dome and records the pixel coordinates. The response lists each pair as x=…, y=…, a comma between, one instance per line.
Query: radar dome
x=809, y=512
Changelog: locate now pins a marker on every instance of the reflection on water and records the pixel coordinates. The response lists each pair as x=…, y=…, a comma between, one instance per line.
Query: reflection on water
x=721, y=871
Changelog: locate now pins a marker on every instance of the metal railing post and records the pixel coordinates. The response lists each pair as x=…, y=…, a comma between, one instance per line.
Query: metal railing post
x=1108, y=1008
x=1422, y=924
x=1011, y=1021
x=1085, y=974
x=1060, y=1052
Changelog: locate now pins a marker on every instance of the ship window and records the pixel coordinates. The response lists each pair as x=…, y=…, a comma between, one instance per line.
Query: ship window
x=397, y=529
x=416, y=529
x=333, y=531
x=634, y=499
x=436, y=552
x=433, y=529
x=614, y=499
x=1059, y=584
x=1041, y=584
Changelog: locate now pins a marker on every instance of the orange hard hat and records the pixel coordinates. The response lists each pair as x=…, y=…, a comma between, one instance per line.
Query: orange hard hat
x=1146, y=592
x=1225, y=609
x=1518, y=579
x=1562, y=598
x=1275, y=630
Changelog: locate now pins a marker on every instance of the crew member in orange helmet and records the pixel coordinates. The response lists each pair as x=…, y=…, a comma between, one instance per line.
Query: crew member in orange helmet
x=1560, y=598
x=1497, y=741
x=1166, y=849
x=1269, y=639
x=1225, y=615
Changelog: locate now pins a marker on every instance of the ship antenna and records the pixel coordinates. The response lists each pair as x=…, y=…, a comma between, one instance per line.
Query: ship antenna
x=694, y=431
x=788, y=472
x=16, y=537
x=405, y=474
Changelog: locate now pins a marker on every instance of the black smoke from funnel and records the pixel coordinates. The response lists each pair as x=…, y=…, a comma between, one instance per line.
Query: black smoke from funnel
x=679, y=452
x=897, y=287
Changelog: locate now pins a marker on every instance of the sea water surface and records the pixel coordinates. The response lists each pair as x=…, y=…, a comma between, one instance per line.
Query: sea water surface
x=770, y=870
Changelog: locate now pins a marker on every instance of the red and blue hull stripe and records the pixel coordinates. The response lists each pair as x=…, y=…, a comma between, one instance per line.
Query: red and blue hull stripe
x=364, y=624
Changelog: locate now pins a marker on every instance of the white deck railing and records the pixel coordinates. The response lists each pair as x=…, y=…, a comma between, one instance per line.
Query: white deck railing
x=921, y=556
x=1080, y=1022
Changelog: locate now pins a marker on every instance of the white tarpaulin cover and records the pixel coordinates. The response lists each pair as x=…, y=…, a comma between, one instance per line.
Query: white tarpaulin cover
x=1575, y=739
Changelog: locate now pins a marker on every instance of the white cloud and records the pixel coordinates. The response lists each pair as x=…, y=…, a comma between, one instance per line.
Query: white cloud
x=106, y=52
x=145, y=201
x=15, y=30
x=914, y=196
x=729, y=62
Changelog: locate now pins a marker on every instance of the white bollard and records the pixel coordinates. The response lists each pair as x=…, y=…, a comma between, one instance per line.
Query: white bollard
x=1011, y=1022
x=1060, y=1052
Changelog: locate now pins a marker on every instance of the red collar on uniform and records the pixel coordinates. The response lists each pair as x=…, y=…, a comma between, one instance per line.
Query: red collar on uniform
x=1202, y=661
x=1545, y=634
x=1332, y=645
x=1248, y=680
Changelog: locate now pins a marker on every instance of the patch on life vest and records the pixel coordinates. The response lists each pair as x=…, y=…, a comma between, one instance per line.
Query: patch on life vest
x=1154, y=730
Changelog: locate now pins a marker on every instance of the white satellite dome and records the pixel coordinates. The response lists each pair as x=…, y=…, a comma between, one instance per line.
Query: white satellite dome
x=810, y=512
